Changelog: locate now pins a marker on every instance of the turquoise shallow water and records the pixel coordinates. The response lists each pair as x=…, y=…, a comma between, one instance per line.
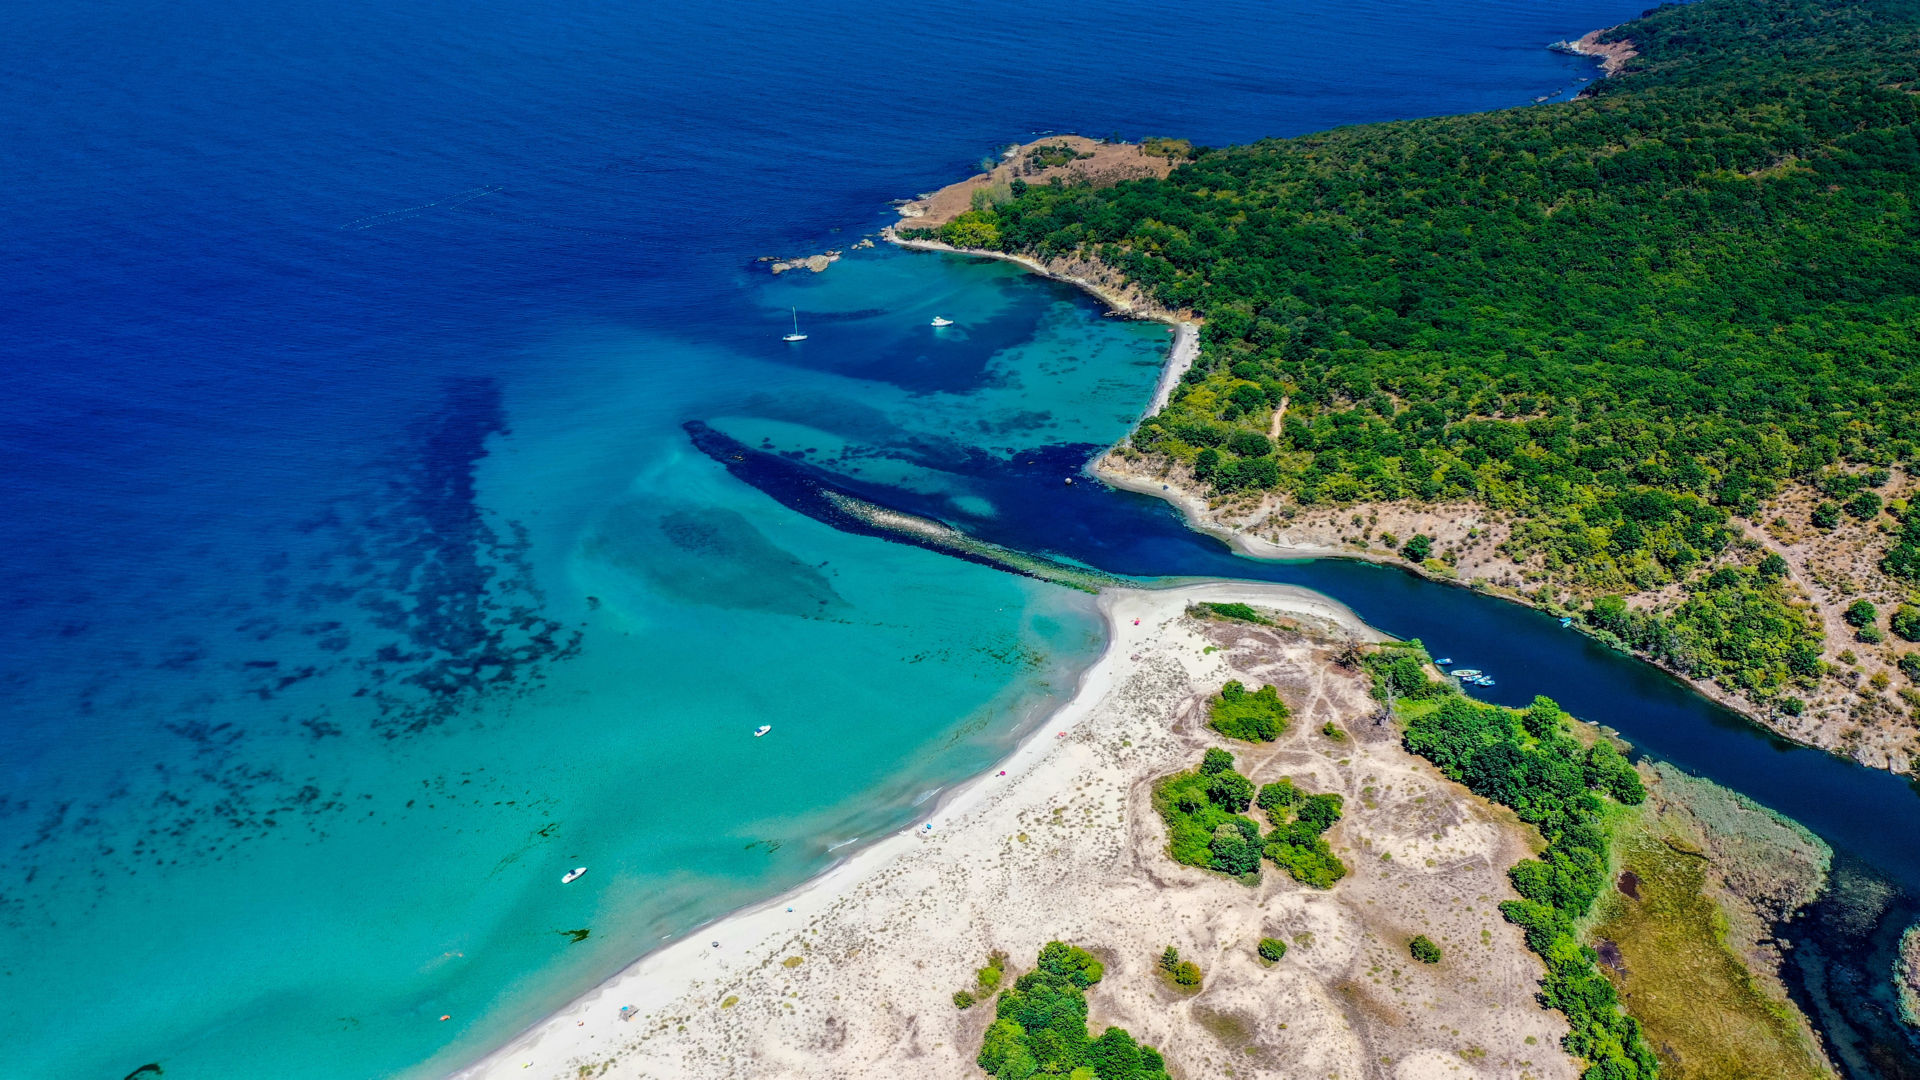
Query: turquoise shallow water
x=691, y=609
x=361, y=577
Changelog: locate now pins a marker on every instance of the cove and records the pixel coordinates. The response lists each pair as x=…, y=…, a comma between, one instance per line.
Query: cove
x=1840, y=972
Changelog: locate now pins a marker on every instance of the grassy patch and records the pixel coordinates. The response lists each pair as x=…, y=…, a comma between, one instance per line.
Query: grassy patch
x=1232, y=612
x=1667, y=952
x=1259, y=716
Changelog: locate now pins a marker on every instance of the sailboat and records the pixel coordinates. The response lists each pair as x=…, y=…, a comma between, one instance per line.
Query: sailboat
x=796, y=335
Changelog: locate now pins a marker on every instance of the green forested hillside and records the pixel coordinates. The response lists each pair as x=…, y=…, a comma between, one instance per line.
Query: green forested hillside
x=1621, y=318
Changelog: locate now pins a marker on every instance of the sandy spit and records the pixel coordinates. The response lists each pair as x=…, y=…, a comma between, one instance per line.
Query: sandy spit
x=1060, y=841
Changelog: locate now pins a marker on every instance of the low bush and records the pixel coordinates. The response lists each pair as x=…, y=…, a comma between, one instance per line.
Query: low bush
x=1259, y=716
x=1424, y=950
x=1272, y=949
x=1040, y=1026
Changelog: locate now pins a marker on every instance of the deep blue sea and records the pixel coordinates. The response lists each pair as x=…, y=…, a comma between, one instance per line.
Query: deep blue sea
x=361, y=578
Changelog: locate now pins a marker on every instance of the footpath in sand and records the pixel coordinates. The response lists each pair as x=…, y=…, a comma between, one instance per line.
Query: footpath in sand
x=857, y=979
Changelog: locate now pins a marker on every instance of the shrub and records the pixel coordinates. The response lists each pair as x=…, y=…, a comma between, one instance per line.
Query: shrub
x=1040, y=1026
x=1860, y=613
x=1169, y=959
x=989, y=977
x=1905, y=621
x=1792, y=706
x=1773, y=567
x=1864, y=505
x=1418, y=549
x=1075, y=965
x=1871, y=635
x=1249, y=444
x=1604, y=769
x=1186, y=973
x=1536, y=769
x=1424, y=950
x=1202, y=811
x=1231, y=791
x=1278, y=795
x=1257, y=717
x=1332, y=731
x=1272, y=949
x=962, y=999
x=1237, y=612
x=1295, y=844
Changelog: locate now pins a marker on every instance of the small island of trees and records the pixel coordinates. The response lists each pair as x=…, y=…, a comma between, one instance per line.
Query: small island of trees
x=1205, y=811
x=1040, y=1027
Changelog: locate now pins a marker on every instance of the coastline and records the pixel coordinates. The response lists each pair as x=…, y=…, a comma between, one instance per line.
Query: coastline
x=1612, y=55
x=1194, y=509
x=692, y=982
x=591, y=1025
x=1134, y=306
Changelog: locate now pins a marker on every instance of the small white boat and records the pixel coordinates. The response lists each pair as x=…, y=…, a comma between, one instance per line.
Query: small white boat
x=573, y=875
x=939, y=320
x=1443, y=661
x=762, y=730
x=1464, y=673
x=796, y=335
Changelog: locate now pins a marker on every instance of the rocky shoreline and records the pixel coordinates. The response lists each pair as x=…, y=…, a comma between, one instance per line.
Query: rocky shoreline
x=1613, y=55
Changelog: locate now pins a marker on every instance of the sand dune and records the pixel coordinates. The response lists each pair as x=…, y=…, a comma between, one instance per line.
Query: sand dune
x=857, y=979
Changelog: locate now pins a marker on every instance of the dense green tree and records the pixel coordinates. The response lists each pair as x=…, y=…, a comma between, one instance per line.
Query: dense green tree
x=1259, y=716
x=1618, y=320
x=1905, y=621
x=1861, y=613
x=1040, y=1027
x=1424, y=950
x=1528, y=761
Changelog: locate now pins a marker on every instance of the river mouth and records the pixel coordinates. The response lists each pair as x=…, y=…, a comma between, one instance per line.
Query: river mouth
x=1838, y=952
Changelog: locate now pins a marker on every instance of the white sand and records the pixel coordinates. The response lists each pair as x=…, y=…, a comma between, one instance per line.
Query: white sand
x=857, y=979
x=1186, y=349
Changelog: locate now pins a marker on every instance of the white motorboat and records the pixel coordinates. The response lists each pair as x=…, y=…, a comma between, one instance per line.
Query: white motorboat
x=762, y=730
x=939, y=320
x=572, y=875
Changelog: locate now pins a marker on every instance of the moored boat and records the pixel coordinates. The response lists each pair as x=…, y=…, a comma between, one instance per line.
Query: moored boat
x=572, y=875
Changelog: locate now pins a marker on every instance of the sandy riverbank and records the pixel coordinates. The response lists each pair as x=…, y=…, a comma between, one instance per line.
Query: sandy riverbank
x=853, y=974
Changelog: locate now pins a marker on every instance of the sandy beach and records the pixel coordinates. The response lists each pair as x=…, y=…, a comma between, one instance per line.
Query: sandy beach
x=853, y=974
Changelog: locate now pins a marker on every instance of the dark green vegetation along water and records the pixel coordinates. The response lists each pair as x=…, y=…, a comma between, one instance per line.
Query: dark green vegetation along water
x=1622, y=319
x=1871, y=818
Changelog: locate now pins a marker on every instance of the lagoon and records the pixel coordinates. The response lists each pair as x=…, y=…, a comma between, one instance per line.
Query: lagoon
x=363, y=579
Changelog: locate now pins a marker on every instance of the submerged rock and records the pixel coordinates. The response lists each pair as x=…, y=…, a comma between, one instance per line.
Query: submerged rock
x=1906, y=975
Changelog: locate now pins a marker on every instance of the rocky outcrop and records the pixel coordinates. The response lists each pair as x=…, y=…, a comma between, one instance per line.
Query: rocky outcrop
x=1613, y=55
